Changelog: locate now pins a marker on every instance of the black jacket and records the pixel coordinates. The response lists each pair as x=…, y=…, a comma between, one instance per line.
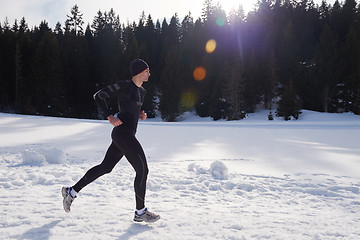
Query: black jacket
x=129, y=98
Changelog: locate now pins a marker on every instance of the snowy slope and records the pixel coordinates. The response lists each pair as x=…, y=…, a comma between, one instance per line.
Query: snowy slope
x=248, y=179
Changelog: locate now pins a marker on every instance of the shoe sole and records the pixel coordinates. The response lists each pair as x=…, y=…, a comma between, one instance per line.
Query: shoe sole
x=152, y=221
x=63, y=193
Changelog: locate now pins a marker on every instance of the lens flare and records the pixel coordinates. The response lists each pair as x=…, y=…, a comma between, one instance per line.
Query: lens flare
x=220, y=22
x=199, y=73
x=210, y=46
x=188, y=99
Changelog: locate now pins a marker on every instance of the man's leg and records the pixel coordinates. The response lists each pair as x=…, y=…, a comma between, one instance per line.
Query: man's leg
x=125, y=140
x=112, y=157
x=138, y=161
x=136, y=157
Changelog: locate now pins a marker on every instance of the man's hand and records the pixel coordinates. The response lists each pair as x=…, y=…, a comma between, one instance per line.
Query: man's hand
x=114, y=121
x=143, y=115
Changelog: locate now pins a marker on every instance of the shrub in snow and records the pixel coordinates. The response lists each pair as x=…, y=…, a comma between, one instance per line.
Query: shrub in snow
x=219, y=171
x=271, y=116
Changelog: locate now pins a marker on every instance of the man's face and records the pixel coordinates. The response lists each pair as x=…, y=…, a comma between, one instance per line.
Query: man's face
x=145, y=75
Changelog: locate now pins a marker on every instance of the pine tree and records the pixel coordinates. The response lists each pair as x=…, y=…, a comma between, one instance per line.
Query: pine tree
x=99, y=23
x=188, y=51
x=307, y=16
x=15, y=27
x=253, y=77
x=46, y=86
x=112, y=22
x=324, y=12
x=150, y=54
x=7, y=67
x=171, y=86
x=23, y=28
x=234, y=90
x=108, y=48
x=352, y=72
x=22, y=40
x=289, y=104
x=287, y=54
x=23, y=54
x=327, y=65
x=74, y=21
x=18, y=75
x=6, y=26
x=173, y=31
x=347, y=16
x=207, y=11
x=58, y=31
x=78, y=80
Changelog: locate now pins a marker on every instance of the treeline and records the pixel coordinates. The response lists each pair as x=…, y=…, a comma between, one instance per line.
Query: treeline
x=294, y=54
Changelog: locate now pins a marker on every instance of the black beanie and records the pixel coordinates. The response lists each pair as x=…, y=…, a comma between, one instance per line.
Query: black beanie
x=137, y=66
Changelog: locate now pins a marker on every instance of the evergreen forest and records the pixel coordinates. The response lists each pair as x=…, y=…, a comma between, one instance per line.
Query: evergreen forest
x=286, y=55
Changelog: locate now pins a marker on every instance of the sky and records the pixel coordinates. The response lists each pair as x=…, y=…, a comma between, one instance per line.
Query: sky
x=54, y=11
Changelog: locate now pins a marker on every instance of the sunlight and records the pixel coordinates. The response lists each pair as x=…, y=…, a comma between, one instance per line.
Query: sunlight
x=228, y=5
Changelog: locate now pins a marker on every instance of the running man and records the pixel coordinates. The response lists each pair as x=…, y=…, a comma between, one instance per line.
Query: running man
x=130, y=97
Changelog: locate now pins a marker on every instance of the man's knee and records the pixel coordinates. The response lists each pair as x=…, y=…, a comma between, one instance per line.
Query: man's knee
x=146, y=171
x=105, y=169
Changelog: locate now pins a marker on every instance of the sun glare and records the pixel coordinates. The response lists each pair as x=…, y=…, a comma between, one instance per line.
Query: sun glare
x=228, y=5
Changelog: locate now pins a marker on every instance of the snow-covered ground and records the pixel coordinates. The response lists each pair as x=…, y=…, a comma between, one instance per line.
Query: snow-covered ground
x=248, y=179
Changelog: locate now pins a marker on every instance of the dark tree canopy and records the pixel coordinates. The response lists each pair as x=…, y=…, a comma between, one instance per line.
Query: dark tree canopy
x=291, y=54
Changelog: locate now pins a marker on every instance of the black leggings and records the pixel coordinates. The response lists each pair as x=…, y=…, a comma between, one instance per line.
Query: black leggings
x=123, y=143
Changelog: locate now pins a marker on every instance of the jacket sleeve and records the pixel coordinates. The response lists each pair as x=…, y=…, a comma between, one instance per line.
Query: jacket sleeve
x=103, y=94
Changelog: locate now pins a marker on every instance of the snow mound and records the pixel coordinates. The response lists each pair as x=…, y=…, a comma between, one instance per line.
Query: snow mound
x=42, y=156
x=193, y=167
x=33, y=158
x=217, y=169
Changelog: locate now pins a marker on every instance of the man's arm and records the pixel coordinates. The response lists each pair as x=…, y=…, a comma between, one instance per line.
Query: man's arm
x=100, y=98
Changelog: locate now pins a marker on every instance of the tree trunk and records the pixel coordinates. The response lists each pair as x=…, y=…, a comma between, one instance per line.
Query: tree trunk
x=325, y=99
x=17, y=75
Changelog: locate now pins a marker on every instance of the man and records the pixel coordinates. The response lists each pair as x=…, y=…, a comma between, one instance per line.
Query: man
x=130, y=97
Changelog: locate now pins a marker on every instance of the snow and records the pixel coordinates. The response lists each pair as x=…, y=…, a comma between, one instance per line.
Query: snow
x=247, y=179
